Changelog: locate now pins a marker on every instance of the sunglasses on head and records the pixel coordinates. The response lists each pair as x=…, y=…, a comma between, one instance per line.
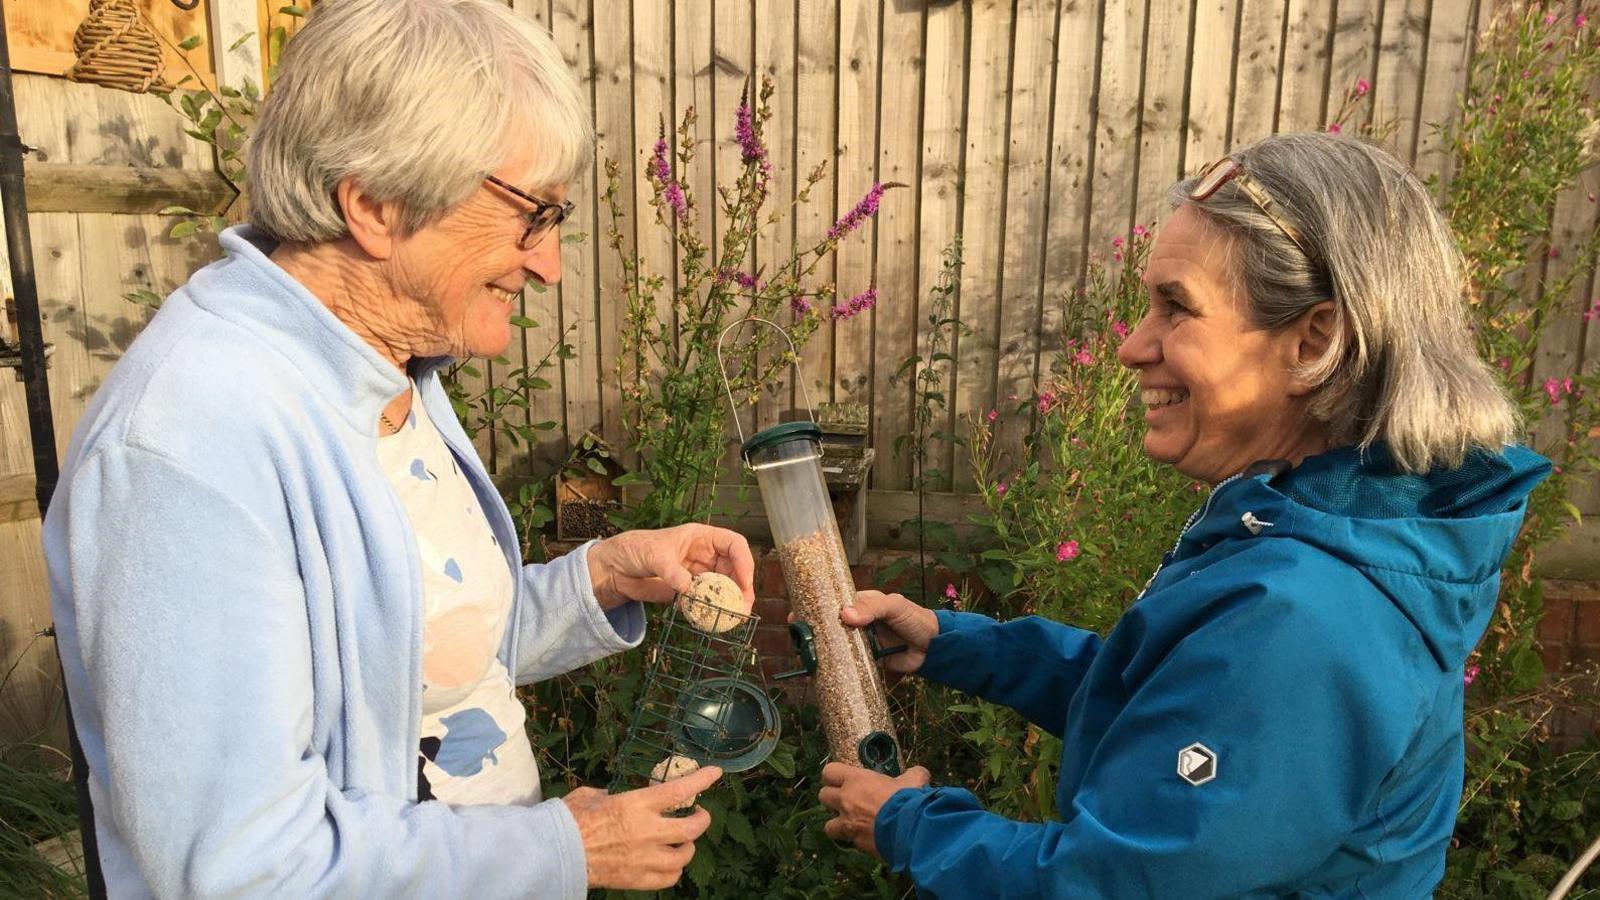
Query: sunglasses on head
x=1229, y=169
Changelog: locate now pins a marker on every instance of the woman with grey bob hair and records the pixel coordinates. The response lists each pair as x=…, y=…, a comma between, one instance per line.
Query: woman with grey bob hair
x=291, y=606
x=1280, y=711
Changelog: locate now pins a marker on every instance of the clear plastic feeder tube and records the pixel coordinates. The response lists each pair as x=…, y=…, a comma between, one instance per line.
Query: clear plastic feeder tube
x=787, y=461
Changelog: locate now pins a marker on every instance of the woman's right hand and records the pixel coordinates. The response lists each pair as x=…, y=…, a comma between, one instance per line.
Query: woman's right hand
x=913, y=625
x=630, y=842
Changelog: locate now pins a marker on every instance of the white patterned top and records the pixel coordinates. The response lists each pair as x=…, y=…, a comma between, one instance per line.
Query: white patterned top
x=474, y=744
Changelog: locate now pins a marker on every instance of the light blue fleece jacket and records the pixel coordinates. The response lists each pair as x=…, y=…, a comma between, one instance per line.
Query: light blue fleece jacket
x=237, y=597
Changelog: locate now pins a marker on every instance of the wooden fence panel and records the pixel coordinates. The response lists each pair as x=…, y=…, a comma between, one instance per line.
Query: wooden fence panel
x=895, y=321
x=1037, y=129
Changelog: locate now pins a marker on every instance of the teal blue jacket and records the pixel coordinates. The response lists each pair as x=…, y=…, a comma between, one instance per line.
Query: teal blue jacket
x=1279, y=714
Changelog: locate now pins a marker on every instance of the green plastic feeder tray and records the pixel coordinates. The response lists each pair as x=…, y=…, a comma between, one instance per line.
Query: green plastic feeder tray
x=725, y=722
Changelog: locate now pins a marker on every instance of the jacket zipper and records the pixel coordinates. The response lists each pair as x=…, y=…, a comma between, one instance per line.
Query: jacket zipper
x=1194, y=519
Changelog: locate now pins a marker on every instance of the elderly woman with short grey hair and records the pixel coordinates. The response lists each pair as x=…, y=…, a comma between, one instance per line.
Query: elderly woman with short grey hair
x=1280, y=711
x=290, y=605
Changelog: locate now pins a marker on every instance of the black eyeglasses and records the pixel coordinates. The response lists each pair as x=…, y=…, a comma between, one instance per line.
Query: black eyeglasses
x=543, y=217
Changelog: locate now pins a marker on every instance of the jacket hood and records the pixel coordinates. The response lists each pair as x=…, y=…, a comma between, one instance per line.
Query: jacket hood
x=1433, y=543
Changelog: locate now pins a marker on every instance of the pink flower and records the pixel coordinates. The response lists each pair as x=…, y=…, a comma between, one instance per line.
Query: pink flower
x=1066, y=550
x=1001, y=488
x=1046, y=401
x=993, y=414
x=744, y=132
x=1362, y=87
x=1470, y=675
x=864, y=210
x=1335, y=128
x=1555, y=252
x=1555, y=390
x=1580, y=20
x=1120, y=329
x=860, y=303
x=673, y=195
x=1593, y=312
x=1550, y=18
x=1117, y=256
x=951, y=592
x=1084, y=357
x=660, y=170
x=1140, y=231
x=1117, y=241
x=742, y=279
x=800, y=305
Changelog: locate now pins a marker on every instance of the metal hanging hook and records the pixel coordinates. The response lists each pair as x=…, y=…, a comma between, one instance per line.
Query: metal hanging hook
x=722, y=369
x=191, y=4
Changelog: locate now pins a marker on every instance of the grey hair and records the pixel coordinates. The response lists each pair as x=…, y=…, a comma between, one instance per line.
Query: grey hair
x=417, y=100
x=1401, y=368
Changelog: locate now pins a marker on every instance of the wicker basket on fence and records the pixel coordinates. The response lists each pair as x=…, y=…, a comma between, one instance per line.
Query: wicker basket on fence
x=116, y=47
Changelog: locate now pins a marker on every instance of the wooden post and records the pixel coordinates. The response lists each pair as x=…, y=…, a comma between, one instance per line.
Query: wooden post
x=235, y=48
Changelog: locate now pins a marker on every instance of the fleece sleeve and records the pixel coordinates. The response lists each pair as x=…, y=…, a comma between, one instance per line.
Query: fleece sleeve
x=1031, y=665
x=188, y=653
x=562, y=626
x=1302, y=734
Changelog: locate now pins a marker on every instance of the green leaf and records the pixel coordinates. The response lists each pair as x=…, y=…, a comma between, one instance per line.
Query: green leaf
x=577, y=237
x=547, y=425
x=184, y=229
x=296, y=11
x=176, y=211
x=535, y=383
x=596, y=466
x=471, y=372
x=739, y=829
x=190, y=42
x=910, y=362
x=1566, y=810
x=238, y=42
x=524, y=322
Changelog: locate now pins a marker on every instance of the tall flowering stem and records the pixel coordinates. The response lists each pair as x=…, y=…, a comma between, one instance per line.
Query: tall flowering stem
x=670, y=379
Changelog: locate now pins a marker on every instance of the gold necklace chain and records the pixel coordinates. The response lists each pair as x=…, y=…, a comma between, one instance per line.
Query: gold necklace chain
x=384, y=418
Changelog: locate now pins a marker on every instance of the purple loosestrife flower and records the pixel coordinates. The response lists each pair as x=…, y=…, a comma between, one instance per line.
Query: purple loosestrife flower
x=742, y=279
x=800, y=305
x=860, y=303
x=864, y=210
x=660, y=169
x=673, y=195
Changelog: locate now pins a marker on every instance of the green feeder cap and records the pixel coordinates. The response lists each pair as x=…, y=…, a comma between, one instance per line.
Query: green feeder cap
x=726, y=722
x=779, y=434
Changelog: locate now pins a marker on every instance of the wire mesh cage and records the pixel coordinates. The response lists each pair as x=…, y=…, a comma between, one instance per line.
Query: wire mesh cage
x=704, y=699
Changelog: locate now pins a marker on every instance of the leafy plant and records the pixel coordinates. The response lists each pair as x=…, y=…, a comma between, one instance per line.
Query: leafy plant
x=932, y=369
x=669, y=369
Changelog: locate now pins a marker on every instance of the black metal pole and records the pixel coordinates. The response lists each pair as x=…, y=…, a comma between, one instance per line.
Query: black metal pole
x=36, y=387
x=36, y=384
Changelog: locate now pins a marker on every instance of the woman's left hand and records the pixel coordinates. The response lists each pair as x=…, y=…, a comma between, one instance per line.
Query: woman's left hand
x=857, y=794
x=654, y=566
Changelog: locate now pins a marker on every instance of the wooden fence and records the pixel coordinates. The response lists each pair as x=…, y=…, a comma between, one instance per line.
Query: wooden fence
x=1036, y=129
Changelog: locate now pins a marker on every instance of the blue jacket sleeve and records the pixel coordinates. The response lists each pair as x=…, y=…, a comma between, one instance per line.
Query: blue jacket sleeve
x=1031, y=665
x=1302, y=734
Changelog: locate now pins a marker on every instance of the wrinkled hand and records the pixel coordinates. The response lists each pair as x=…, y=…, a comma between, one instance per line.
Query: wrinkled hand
x=629, y=842
x=653, y=566
x=856, y=795
x=914, y=625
